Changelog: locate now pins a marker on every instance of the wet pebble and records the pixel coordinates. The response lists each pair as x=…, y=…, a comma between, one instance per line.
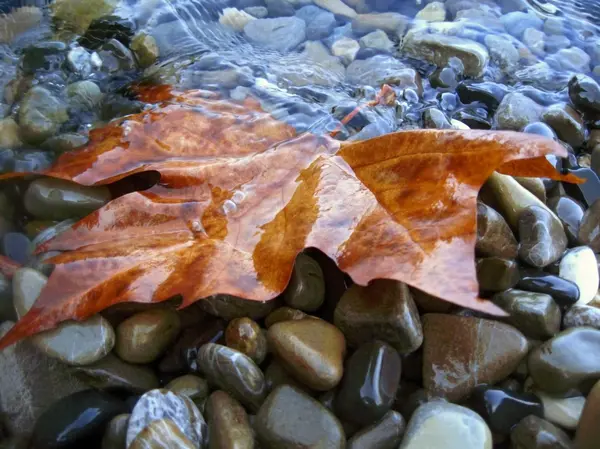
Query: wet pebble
x=306, y=289
x=115, y=435
x=534, y=432
x=564, y=361
x=534, y=314
x=589, y=231
x=567, y=123
x=40, y=115
x=284, y=314
x=194, y=387
x=534, y=185
x=440, y=424
x=162, y=404
x=276, y=375
x=494, y=236
x=570, y=213
x=483, y=352
x=282, y=33
x=588, y=431
x=517, y=111
x=312, y=350
x=233, y=372
x=384, y=434
x=228, y=423
x=229, y=307
x=563, y=412
x=290, y=419
x=162, y=434
x=487, y=93
x=76, y=419
x=16, y=246
x=145, y=48
x=246, y=336
x=542, y=237
x=496, y=274
x=564, y=292
x=382, y=310
x=579, y=316
x=584, y=92
x=579, y=266
x=369, y=386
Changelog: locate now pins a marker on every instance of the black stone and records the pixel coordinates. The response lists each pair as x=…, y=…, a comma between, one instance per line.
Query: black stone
x=540, y=129
x=106, y=28
x=115, y=105
x=589, y=191
x=570, y=213
x=76, y=421
x=490, y=94
x=584, y=92
x=503, y=409
x=495, y=274
x=564, y=292
x=472, y=121
x=43, y=56
x=16, y=246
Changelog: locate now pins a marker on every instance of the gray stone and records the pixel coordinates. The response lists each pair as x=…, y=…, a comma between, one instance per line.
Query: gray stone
x=517, y=22
x=533, y=432
x=374, y=71
x=9, y=134
x=79, y=61
x=392, y=23
x=589, y=231
x=494, y=236
x=542, y=236
x=516, y=111
x=337, y=7
x=64, y=142
x=573, y=59
x=579, y=316
x=377, y=40
x=282, y=34
x=567, y=124
x=502, y=52
x=535, y=40
x=384, y=434
x=346, y=49
x=40, y=115
x=84, y=95
x=319, y=23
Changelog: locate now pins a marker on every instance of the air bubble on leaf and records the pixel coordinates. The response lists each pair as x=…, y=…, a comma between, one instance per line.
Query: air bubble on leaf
x=238, y=196
x=229, y=207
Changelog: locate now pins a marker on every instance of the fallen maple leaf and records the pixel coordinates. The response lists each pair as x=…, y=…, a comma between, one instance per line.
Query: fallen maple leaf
x=241, y=194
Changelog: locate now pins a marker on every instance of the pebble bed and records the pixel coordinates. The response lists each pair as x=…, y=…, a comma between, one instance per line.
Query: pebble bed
x=328, y=364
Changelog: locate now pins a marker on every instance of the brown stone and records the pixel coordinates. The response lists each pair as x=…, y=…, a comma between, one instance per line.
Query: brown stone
x=588, y=430
x=246, y=336
x=494, y=236
x=534, y=185
x=495, y=274
x=284, y=314
x=228, y=424
x=462, y=352
x=430, y=304
x=161, y=434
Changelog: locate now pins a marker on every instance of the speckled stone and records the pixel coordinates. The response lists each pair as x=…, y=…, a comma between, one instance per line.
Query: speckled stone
x=194, y=387
x=542, y=237
x=484, y=351
x=312, y=350
x=161, y=404
x=229, y=307
x=146, y=335
x=494, y=236
x=533, y=432
x=233, y=372
x=306, y=289
x=246, y=336
x=290, y=419
x=382, y=310
x=579, y=316
x=588, y=430
x=564, y=362
x=228, y=423
x=384, y=434
x=115, y=435
x=162, y=434
x=439, y=424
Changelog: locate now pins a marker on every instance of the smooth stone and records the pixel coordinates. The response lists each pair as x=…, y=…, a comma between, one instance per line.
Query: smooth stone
x=494, y=236
x=163, y=404
x=43, y=56
x=436, y=119
x=9, y=134
x=429, y=303
x=534, y=185
x=16, y=246
x=337, y=7
x=579, y=316
x=579, y=266
x=536, y=433
x=382, y=310
x=145, y=336
x=377, y=40
x=194, y=387
x=503, y=409
x=567, y=123
x=290, y=419
x=346, y=49
x=76, y=15
x=282, y=34
x=440, y=424
x=392, y=23
x=233, y=372
x=319, y=23
x=246, y=336
x=312, y=350
x=73, y=342
x=584, y=92
x=381, y=69
x=542, y=237
x=56, y=199
x=369, y=386
x=563, y=412
x=111, y=373
x=229, y=307
x=488, y=93
x=512, y=197
x=517, y=111
x=384, y=434
x=162, y=434
x=589, y=231
x=517, y=22
x=65, y=142
x=540, y=129
x=115, y=435
x=228, y=423
x=483, y=352
x=41, y=114
x=438, y=49
x=564, y=292
x=564, y=361
x=276, y=375
x=79, y=61
x=534, y=314
x=570, y=213
x=306, y=289
x=76, y=419
x=182, y=356
x=495, y=274
x=432, y=12
x=502, y=52
x=84, y=95
x=31, y=382
x=589, y=191
x=588, y=431
x=145, y=49
x=284, y=314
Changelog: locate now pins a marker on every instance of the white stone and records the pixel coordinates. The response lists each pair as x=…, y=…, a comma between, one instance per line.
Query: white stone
x=235, y=19
x=534, y=39
x=579, y=265
x=378, y=40
x=73, y=342
x=346, y=48
x=457, y=124
x=337, y=7
x=564, y=412
x=439, y=424
x=433, y=12
x=9, y=134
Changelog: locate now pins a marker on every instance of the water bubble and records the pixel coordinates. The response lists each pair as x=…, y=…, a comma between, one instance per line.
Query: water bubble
x=197, y=226
x=229, y=207
x=238, y=196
